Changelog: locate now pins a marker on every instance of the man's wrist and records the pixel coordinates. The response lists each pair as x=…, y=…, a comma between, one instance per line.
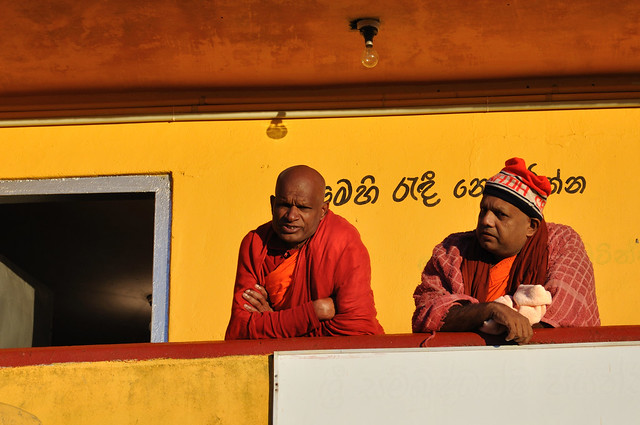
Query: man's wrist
x=467, y=317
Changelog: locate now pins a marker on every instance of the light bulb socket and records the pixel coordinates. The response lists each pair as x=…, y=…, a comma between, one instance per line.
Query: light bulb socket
x=368, y=27
x=368, y=33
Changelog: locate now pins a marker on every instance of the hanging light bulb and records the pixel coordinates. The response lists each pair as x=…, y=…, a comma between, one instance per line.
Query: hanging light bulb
x=368, y=28
x=369, y=56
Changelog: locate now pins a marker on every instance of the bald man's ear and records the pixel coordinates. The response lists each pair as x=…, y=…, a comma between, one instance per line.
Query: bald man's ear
x=324, y=208
x=534, y=224
x=272, y=199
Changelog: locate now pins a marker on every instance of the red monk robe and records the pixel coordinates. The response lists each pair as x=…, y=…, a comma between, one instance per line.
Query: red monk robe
x=332, y=263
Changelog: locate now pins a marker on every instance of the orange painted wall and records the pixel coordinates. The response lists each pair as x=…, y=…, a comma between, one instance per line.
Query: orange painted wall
x=223, y=173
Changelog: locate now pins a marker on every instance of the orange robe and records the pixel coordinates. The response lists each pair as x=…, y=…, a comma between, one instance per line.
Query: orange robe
x=499, y=278
x=278, y=282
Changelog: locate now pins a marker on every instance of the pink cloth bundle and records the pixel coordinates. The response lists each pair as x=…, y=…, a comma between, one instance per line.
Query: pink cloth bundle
x=529, y=300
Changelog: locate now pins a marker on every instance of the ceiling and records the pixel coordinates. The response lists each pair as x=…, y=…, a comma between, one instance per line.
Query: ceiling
x=69, y=57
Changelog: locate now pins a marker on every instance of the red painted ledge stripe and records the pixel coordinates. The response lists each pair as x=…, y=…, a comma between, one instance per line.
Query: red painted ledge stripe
x=15, y=357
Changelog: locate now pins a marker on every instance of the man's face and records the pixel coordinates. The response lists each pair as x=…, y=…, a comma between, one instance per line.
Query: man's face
x=297, y=208
x=502, y=228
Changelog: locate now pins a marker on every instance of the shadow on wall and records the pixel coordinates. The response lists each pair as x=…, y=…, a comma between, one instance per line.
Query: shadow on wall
x=11, y=415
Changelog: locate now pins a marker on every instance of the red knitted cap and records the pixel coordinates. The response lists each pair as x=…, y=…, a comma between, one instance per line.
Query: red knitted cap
x=520, y=187
x=517, y=167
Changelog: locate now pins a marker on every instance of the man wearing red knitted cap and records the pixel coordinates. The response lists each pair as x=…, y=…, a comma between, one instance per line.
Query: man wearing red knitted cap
x=513, y=272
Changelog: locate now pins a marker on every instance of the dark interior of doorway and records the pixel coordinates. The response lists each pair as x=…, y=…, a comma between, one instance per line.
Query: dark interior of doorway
x=92, y=254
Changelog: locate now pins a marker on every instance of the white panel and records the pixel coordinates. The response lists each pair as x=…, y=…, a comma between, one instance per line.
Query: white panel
x=16, y=310
x=550, y=384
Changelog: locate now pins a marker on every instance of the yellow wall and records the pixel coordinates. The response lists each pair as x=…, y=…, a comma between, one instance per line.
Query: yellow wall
x=223, y=173
x=225, y=390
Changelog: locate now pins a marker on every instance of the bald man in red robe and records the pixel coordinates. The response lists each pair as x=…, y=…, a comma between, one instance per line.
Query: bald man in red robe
x=304, y=273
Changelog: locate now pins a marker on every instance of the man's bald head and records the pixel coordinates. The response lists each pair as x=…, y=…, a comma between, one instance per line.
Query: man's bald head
x=298, y=204
x=302, y=174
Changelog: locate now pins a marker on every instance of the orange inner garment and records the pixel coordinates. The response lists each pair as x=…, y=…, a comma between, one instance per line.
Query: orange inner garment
x=499, y=278
x=279, y=280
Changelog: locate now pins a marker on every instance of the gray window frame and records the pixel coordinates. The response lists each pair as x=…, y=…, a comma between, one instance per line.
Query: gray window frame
x=160, y=185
